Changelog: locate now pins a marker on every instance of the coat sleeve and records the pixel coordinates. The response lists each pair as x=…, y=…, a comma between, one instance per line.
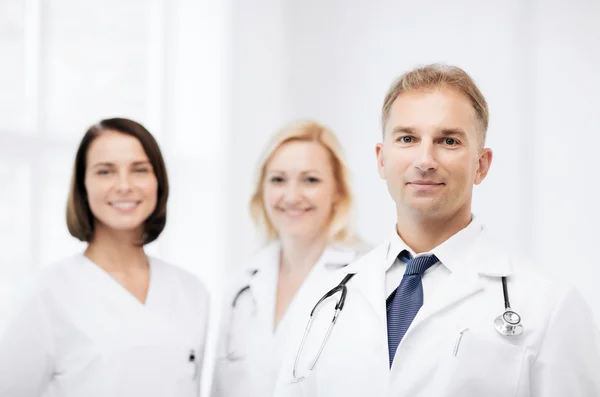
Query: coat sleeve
x=27, y=351
x=223, y=334
x=569, y=359
x=200, y=370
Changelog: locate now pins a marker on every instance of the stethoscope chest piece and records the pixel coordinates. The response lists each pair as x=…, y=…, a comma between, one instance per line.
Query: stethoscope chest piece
x=509, y=324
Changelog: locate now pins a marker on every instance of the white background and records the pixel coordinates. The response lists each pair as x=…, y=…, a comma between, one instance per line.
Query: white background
x=536, y=62
x=213, y=79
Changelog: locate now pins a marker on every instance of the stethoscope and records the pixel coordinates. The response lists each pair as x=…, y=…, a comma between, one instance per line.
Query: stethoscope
x=341, y=287
x=507, y=324
x=230, y=354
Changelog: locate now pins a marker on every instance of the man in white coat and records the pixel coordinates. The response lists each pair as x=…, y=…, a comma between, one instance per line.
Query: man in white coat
x=423, y=314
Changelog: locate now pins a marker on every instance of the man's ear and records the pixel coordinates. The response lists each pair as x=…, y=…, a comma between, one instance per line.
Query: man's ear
x=483, y=164
x=380, y=162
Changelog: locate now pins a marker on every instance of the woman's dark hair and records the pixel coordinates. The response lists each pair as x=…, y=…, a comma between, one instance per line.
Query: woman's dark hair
x=80, y=219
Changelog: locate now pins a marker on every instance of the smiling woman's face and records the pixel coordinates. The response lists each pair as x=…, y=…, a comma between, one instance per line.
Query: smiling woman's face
x=120, y=183
x=300, y=189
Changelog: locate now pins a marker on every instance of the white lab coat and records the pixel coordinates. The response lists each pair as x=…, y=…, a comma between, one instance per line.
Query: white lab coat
x=249, y=350
x=556, y=356
x=81, y=334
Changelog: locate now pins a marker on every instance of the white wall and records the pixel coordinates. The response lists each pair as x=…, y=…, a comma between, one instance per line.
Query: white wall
x=566, y=125
x=535, y=62
x=258, y=100
x=339, y=59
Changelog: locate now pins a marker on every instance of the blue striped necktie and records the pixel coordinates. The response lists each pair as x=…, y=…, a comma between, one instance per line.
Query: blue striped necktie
x=406, y=301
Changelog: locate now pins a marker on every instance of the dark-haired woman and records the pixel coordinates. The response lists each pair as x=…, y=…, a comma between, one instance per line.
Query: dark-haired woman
x=110, y=321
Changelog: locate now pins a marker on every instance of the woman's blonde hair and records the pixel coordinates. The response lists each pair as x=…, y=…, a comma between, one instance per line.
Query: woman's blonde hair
x=339, y=228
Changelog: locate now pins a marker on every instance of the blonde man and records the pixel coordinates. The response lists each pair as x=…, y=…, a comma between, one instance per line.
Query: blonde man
x=424, y=313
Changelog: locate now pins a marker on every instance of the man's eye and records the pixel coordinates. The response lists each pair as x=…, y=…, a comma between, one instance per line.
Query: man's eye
x=406, y=139
x=450, y=141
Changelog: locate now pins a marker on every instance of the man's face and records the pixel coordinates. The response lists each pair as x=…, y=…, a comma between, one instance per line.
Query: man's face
x=431, y=153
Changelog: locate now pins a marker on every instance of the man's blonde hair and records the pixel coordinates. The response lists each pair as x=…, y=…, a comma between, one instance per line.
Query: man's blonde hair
x=439, y=76
x=339, y=228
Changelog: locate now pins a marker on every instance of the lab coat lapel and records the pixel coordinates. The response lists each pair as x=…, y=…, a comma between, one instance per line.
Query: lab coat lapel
x=337, y=257
x=263, y=284
x=459, y=286
x=370, y=279
x=327, y=273
x=485, y=258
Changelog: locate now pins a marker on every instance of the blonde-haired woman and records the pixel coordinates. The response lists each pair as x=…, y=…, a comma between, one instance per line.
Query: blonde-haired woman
x=302, y=205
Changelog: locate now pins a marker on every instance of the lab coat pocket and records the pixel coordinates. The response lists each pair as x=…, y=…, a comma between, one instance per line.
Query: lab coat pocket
x=481, y=366
x=187, y=375
x=152, y=371
x=230, y=376
x=190, y=363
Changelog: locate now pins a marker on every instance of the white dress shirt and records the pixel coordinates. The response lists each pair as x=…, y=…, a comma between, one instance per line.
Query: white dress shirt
x=447, y=253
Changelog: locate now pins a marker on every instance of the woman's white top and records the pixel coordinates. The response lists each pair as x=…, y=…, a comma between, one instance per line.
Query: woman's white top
x=250, y=349
x=82, y=334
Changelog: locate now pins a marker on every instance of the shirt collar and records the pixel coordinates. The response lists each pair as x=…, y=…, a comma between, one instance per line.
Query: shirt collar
x=333, y=257
x=450, y=253
x=340, y=255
